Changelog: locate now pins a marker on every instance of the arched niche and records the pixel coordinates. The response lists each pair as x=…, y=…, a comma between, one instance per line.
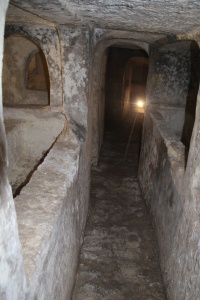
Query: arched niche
x=36, y=73
x=25, y=73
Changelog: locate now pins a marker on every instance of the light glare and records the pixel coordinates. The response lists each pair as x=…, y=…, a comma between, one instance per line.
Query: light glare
x=140, y=104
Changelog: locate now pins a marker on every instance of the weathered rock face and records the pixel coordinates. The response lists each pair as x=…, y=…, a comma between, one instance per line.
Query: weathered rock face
x=169, y=74
x=30, y=134
x=150, y=16
x=12, y=280
x=191, y=101
x=48, y=208
x=52, y=208
x=169, y=187
x=75, y=49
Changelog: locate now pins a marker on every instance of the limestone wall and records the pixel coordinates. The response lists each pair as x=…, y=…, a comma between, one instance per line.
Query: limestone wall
x=48, y=220
x=52, y=207
x=30, y=134
x=169, y=184
x=62, y=183
x=12, y=279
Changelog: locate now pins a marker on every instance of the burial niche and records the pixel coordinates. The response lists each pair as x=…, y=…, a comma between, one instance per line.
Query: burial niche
x=37, y=77
x=25, y=73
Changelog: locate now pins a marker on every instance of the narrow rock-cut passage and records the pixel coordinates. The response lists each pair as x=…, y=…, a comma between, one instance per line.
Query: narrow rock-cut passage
x=119, y=257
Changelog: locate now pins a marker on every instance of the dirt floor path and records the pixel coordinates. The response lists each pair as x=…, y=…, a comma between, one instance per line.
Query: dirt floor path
x=119, y=257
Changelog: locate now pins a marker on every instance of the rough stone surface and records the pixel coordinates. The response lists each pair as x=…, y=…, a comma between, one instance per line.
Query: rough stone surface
x=171, y=190
x=119, y=258
x=150, y=16
x=76, y=64
x=12, y=280
x=52, y=208
x=51, y=251
x=188, y=231
x=47, y=209
x=162, y=148
x=48, y=40
x=126, y=38
x=16, y=15
x=26, y=128
x=169, y=73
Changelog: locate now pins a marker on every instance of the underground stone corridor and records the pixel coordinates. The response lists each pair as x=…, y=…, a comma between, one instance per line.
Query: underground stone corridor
x=119, y=256
x=67, y=68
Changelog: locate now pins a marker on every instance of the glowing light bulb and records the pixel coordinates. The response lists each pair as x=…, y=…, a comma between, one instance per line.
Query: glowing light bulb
x=140, y=104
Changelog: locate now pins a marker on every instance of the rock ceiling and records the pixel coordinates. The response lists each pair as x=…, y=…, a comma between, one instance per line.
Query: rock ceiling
x=153, y=16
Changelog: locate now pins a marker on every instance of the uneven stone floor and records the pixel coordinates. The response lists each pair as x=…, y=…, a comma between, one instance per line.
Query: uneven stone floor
x=119, y=255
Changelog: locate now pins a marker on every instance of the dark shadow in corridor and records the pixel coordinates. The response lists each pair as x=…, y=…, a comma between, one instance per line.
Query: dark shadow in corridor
x=125, y=87
x=123, y=138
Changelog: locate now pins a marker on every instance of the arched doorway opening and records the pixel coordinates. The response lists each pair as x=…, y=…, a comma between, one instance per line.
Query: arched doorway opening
x=100, y=62
x=125, y=89
x=126, y=78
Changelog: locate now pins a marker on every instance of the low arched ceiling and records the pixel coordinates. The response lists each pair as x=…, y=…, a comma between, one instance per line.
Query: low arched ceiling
x=153, y=16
